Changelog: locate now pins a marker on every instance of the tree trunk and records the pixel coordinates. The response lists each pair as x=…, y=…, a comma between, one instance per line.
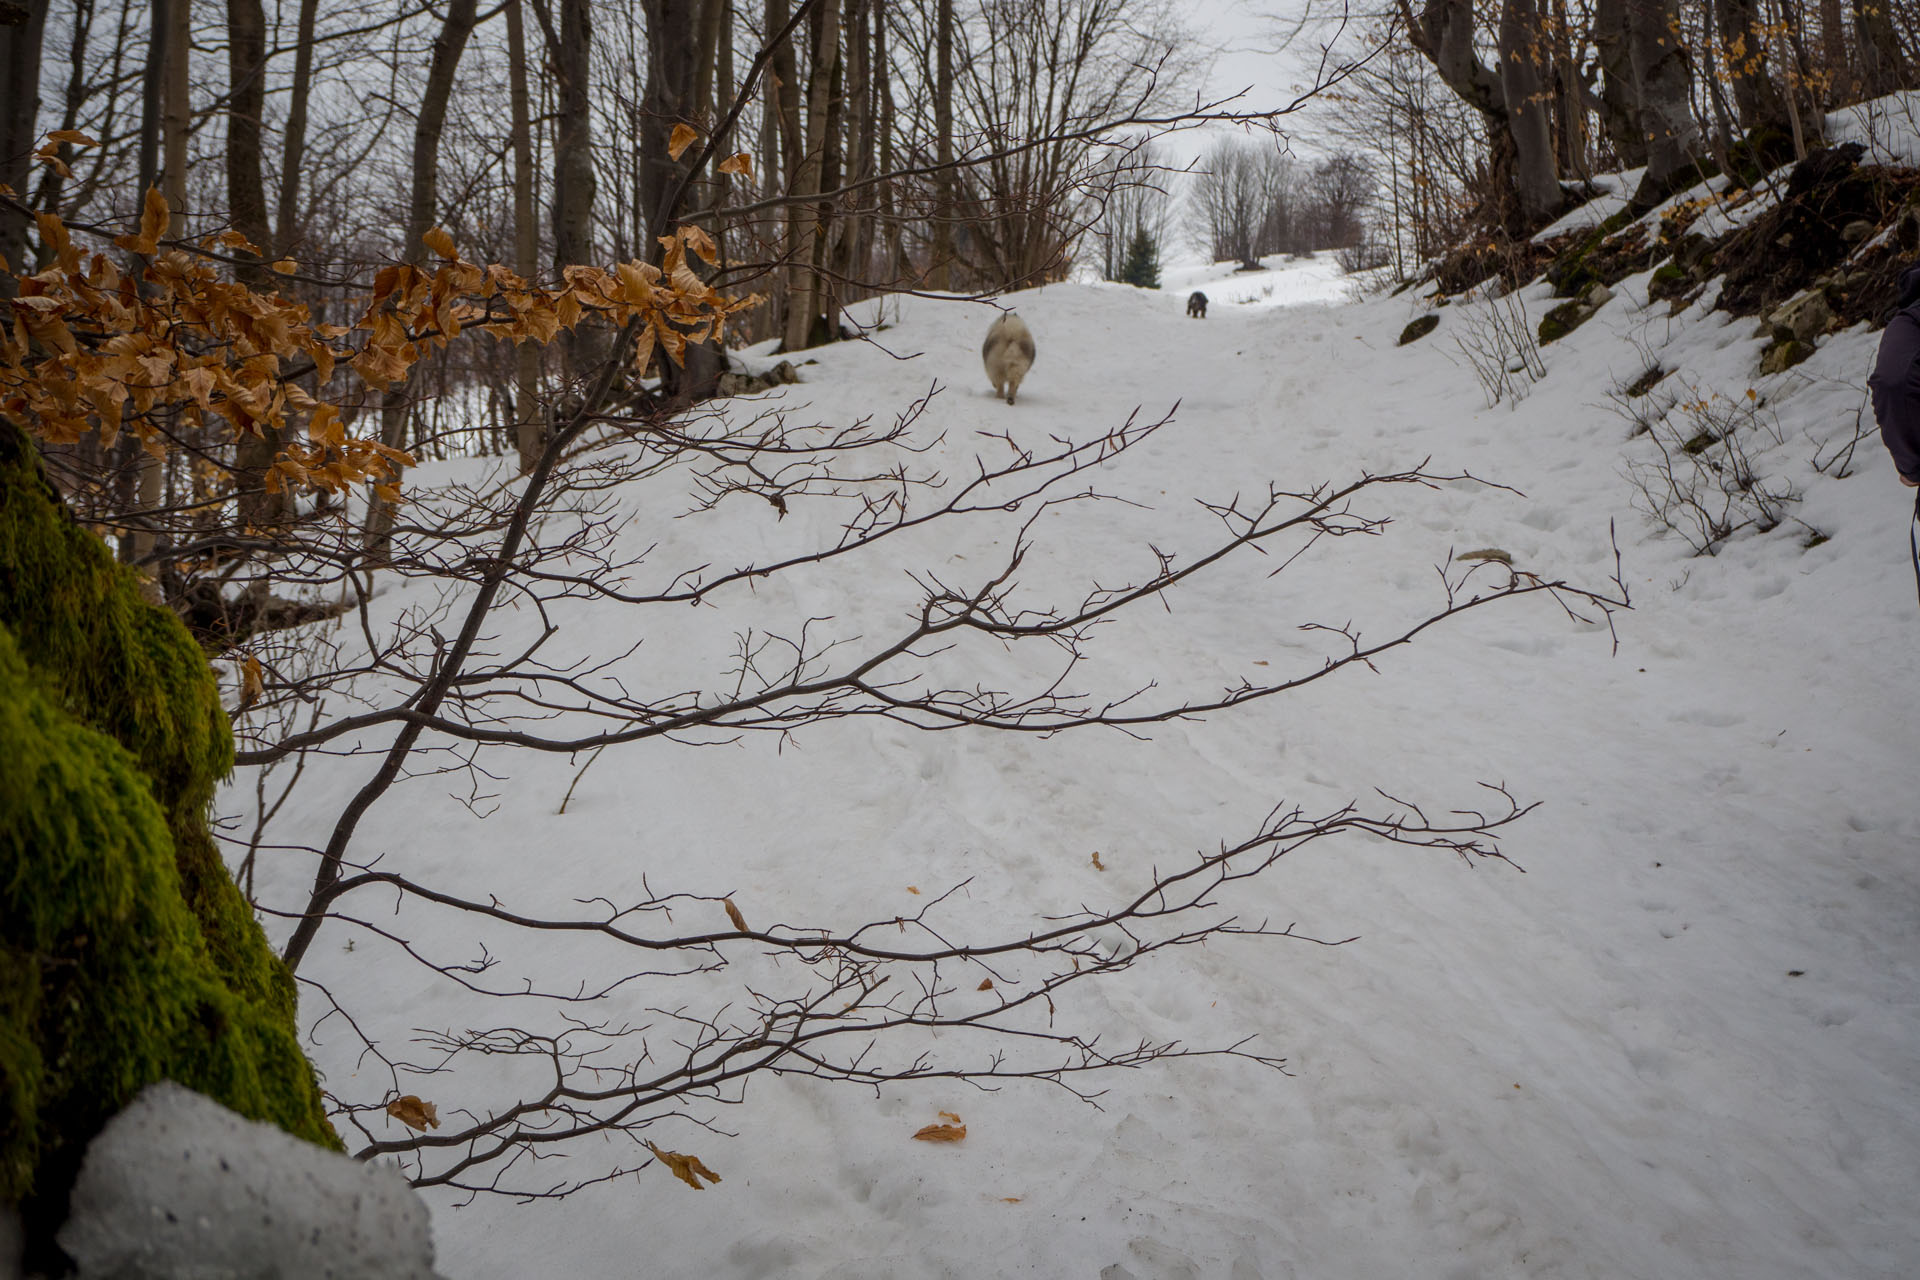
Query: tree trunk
x=530, y=430
x=1512, y=102
x=573, y=173
x=247, y=207
x=19, y=112
x=1523, y=89
x=293, y=145
x=941, y=252
x=1833, y=51
x=1757, y=102
x=1663, y=77
x=422, y=204
x=1619, y=106
x=1881, y=71
x=679, y=38
x=804, y=223
x=1569, y=110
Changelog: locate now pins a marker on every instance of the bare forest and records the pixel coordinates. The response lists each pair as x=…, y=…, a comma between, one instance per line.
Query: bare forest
x=264, y=262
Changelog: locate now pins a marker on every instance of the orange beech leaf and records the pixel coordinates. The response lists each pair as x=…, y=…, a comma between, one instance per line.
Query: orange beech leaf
x=942, y=1133
x=253, y=683
x=688, y=1169
x=286, y=266
x=74, y=136
x=440, y=242
x=986, y=984
x=683, y=137
x=739, y=162
x=154, y=216
x=414, y=1113
x=1097, y=864
x=733, y=914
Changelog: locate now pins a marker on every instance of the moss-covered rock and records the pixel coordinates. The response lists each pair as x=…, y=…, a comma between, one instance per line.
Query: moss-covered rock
x=1418, y=328
x=1563, y=320
x=127, y=955
x=1781, y=355
x=1670, y=280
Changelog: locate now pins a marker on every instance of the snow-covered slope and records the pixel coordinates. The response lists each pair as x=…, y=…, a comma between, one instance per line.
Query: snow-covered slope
x=1679, y=1044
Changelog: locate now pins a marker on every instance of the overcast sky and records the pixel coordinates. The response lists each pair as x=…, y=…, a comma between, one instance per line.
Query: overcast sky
x=1247, y=35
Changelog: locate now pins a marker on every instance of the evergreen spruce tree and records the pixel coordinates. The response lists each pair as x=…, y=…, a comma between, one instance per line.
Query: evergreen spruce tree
x=1142, y=266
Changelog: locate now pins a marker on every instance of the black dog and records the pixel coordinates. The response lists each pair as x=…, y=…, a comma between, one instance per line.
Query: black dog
x=1197, y=304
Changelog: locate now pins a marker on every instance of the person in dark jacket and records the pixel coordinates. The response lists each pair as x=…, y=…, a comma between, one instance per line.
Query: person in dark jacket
x=1895, y=383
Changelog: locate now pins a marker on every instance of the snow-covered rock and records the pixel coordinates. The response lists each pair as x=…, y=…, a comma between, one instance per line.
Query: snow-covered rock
x=177, y=1187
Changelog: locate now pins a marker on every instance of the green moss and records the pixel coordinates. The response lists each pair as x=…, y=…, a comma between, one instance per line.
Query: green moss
x=1669, y=280
x=1647, y=381
x=1419, y=328
x=127, y=955
x=1561, y=321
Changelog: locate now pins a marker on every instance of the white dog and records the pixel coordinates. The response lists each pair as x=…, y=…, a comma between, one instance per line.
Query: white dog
x=1008, y=354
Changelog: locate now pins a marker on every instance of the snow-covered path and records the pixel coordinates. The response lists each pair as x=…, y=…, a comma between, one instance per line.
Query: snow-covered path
x=1681, y=1044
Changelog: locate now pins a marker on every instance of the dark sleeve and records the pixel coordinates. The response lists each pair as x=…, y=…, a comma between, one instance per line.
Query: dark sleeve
x=1895, y=385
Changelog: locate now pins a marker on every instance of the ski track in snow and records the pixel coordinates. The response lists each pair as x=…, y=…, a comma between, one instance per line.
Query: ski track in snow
x=1599, y=1067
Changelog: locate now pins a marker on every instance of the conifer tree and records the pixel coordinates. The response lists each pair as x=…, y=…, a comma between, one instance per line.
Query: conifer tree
x=1142, y=266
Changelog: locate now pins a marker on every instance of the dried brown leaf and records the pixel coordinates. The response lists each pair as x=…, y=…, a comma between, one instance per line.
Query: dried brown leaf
x=986, y=984
x=739, y=162
x=683, y=137
x=688, y=1169
x=942, y=1133
x=1097, y=864
x=440, y=242
x=414, y=1113
x=733, y=914
x=253, y=683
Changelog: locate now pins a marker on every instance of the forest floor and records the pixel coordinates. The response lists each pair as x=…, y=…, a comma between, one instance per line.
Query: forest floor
x=1675, y=1038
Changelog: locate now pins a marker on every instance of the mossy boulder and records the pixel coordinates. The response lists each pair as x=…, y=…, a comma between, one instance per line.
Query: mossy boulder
x=1607, y=254
x=1669, y=281
x=127, y=955
x=1418, y=328
x=1781, y=355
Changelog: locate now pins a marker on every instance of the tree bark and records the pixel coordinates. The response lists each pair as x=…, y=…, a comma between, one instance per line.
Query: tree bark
x=1524, y=93
x=1757, y=101
x=573, y=173
x=530, y=430
x=1619, y=104
x=247, y=207
x=1881, y=69
x=1833, y=51
x=679, y=38
x=1663, y=76
x=19, y=113
x=1512, y=101
x=422, y=204
x=294, y=143
x=805, y=224
x=940, y=275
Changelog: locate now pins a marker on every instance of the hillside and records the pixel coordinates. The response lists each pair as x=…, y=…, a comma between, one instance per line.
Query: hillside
x=1673, y=1038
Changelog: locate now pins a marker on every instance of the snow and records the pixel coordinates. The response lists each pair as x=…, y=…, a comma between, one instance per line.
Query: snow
x=1680, y=1043
x=177, y=1187
x=1888, y=127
